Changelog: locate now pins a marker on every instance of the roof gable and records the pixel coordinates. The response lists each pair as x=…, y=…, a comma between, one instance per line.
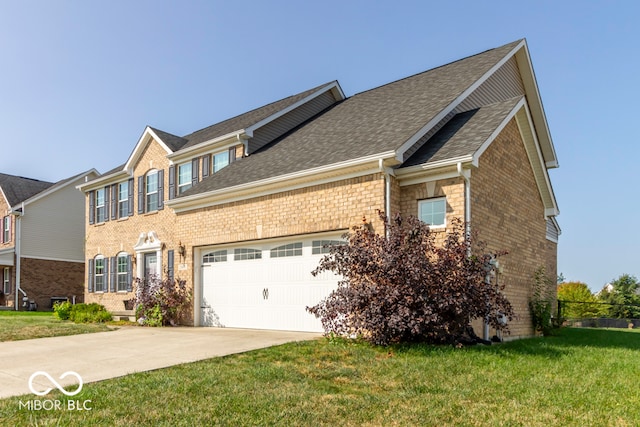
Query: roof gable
x=167, y=141
x=17, y=189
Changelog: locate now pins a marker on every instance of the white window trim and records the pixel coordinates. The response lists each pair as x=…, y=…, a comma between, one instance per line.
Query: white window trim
x=431, y=200
x=104, y=275
x=6, y=280
x=148, y=193
x=103, y=206
x=121, y=201
x=148, y=243
x=213, y=161
x=118, y=273
x=185, y=185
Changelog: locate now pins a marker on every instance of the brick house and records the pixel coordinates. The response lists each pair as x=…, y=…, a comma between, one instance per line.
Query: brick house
x=41, y=241
x=241, y=209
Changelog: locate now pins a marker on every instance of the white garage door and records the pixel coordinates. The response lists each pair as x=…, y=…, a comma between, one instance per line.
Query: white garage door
x=265, y=285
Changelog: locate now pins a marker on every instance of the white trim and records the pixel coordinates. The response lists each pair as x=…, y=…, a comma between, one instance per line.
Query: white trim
x=418, y=177
x=431, y=200
x=146, y=137
x=443, y=113
x=81, y=261
x=305, y=178
x=148, y=243
x=496, y=132
x=209, y=146
x=101, y=181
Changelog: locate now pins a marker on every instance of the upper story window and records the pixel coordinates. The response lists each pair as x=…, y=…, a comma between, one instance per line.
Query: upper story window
x=185, y=177
x=151, y=191
x=123, y=199
x=100, y=205
x=220, y=160
x=6, y=229
x=433, y=211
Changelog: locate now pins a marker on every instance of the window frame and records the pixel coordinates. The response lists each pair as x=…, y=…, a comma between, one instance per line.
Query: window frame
x=123, y=204
x=122, y=271
x=102, y=276
x=6, y=280
x=100, y=207
x=188, y=183
x=215, y=256
x=246, y=254
x=6, y=229
x=214, y=165
x=151, y=196
x=323, y=246
x=286, y=250
x=432, y=201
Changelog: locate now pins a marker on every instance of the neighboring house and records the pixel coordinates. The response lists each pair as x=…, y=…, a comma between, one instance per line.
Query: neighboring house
x=241, y=209
x=42, y=241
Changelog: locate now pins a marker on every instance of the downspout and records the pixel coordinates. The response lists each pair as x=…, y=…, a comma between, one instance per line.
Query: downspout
x=18, y=250
x=387, y=190
x=467, y=219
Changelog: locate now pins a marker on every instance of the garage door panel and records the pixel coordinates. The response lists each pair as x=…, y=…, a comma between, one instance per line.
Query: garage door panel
x=265, y=293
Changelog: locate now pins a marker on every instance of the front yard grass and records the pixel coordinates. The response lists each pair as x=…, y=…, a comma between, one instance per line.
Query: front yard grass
x=581, y=377
x=24, y=325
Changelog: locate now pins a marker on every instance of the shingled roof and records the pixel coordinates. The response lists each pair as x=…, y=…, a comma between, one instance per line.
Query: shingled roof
x=17, y=189
x=373, y=122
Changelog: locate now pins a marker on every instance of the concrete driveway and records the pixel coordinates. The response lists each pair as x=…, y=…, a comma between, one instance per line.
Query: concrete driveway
x=104, y=355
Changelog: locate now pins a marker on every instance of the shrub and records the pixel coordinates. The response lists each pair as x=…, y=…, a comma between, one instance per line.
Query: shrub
x=161, y=302
x=62, y=310
x=89, y=313
x=541, y=302
x=405, y=288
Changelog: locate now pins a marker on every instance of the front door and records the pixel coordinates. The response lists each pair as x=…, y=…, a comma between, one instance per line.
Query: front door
x=150, y=264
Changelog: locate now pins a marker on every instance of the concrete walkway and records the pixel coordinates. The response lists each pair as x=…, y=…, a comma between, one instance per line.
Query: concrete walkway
x=104, y=355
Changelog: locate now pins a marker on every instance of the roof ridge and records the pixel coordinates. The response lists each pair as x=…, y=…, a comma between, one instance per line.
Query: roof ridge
x=258, y=108
x=514, y=43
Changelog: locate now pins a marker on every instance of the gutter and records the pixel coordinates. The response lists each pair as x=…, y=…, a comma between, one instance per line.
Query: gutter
x=387, y=189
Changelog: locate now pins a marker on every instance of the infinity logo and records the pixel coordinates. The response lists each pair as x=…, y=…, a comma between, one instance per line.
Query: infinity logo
x=54, y=382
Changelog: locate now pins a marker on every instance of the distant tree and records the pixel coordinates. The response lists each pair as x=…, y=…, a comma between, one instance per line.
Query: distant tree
x=623, y=297
x=575, y=298
x=401, y=286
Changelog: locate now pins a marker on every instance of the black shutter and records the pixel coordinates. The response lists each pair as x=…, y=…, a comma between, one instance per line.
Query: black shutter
x=205, y=165
x=160, y=189
x=107, y=200
x=172, y=182
x=114, y=273
x=170, y=264
x=2, y=231
x=91, y=275
x=92, y=207
x=194, y=171
x=129, y=274
x=115, y=197
x=141, y=194
x=232, y=155
x=130, y=196
x=105, y=275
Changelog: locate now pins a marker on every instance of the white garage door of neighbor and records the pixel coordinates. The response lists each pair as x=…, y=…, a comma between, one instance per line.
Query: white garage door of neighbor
x=265, y=285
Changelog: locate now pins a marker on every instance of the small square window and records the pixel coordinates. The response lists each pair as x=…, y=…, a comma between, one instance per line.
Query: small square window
x=433, y=211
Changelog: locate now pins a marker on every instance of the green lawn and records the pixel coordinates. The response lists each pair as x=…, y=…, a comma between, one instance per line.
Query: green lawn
x=23, y=325
x=583, y=377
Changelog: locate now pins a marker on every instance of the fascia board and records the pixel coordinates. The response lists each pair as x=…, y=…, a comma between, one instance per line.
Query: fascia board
x=330, y=86
x=496, y=132
x=526, y=128
x=414, y=139
x=306, y=178
x=102, y=180
x=142, y=142
x=214, y=144
x=537, y=109
x=54, y=188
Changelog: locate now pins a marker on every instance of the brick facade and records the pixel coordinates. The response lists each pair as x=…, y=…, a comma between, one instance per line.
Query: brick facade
x=9, y=299
x=508, y=214
x=43, y=279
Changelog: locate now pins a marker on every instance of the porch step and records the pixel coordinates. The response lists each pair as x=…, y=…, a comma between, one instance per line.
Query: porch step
x=129, y=315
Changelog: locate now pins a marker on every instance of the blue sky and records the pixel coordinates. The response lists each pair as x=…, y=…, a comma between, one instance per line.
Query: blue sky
x=80, y=80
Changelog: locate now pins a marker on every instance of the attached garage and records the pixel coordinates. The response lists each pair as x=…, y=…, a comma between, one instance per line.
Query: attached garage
x=265, y=284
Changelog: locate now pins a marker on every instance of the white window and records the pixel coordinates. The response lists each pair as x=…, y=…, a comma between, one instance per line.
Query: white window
x=184, y=177
x=99, y=274
x=432, y=211
x=100, y=206
x=6, y=281
x=122, y=272
x=241, y=254
x=151, y=191
x=123, y=199
x=220, y=160
x=216, y=256
x=6, y=229
x=292, y=249
x=323, y=246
